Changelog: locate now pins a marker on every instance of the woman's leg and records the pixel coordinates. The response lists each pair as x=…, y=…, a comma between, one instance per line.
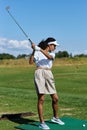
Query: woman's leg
x=55, y=110
x=55, y=105
x=40, y=107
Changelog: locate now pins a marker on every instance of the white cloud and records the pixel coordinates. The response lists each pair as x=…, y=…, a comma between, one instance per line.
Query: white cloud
x=14, y=47
x=85, y=51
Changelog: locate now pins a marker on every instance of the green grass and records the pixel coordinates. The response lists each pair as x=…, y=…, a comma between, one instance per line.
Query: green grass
x=72, y=90
x=17, y=92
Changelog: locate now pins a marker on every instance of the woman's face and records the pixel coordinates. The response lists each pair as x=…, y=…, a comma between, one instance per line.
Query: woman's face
x=52, y=47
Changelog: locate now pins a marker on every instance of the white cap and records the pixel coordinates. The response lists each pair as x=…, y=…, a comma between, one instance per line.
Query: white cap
x=54, y=43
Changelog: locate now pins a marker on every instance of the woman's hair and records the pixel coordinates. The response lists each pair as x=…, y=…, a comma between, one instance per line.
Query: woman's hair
x=44, y=43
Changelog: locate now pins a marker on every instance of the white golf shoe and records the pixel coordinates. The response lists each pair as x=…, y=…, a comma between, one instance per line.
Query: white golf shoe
x=57, y=120
x=44, y=126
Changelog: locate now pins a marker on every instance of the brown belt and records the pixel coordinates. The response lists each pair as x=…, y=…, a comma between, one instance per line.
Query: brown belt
x=43, y=68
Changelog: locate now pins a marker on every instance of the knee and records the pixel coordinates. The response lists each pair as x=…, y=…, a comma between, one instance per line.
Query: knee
x=41, y=100
x=55, y=99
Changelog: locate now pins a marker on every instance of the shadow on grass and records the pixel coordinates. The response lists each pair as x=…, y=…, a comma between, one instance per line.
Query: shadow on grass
x=18, y=118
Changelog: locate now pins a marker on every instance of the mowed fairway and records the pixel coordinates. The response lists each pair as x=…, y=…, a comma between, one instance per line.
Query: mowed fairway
x=17, y=92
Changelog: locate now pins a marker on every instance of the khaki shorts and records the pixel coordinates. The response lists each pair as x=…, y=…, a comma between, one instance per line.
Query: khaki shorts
x=44, y=82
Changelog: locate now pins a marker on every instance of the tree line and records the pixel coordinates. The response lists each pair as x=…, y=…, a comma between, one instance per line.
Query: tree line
x=59, y=54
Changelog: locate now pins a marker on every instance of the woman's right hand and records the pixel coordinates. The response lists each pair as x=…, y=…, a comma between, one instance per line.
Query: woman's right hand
x=33, y=46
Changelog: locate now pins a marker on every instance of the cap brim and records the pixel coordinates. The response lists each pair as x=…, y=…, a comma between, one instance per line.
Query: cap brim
x=54, y=43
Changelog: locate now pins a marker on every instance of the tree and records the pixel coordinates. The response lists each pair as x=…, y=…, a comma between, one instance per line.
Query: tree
x=21, y=56
x=6, y=56
x=62, y=54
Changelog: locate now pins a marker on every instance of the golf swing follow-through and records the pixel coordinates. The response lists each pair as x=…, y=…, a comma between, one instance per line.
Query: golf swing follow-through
x=7, y=9
x=43, y=57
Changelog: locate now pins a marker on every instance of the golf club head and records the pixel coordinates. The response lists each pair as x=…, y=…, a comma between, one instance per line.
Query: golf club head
x=7, y=8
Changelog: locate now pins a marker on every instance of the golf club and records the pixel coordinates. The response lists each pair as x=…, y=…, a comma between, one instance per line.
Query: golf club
x=7, y=9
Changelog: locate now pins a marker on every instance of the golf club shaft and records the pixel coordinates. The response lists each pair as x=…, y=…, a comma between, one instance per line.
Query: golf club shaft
x=19, y=25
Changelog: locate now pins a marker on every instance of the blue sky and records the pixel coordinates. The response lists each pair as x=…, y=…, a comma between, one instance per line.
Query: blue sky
x=65, y=20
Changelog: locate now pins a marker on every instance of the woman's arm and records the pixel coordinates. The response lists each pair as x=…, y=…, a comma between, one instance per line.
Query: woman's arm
x=47, y=54
x=31, y=59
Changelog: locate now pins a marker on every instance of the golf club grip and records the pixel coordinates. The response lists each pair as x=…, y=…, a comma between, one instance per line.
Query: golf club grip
x=30, y=41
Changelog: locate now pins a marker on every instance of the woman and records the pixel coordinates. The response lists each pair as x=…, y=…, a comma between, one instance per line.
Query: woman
x=43, y=57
